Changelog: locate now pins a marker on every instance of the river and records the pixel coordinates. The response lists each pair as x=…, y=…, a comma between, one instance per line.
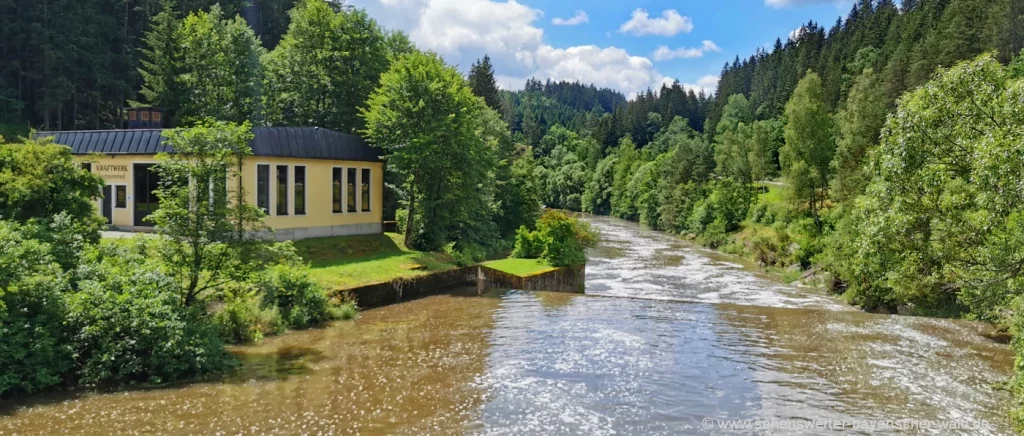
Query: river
x=667, y=336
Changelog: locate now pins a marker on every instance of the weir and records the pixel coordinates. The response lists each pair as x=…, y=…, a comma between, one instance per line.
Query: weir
x=567, y=279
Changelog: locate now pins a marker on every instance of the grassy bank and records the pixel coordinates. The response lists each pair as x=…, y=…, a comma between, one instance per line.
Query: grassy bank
x=520, y=267
x=345, y=262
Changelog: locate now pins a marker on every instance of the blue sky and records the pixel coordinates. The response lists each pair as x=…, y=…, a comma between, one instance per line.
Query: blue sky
x=625, y=45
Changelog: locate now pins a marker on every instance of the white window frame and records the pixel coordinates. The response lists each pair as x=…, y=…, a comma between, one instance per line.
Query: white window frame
x=369, y=186
x=114, y=196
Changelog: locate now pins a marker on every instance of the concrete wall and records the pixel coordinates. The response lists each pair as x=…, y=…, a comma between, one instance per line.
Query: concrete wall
x=381, y=294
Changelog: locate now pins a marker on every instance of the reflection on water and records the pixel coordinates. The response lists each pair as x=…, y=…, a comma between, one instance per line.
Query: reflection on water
x=668, y=335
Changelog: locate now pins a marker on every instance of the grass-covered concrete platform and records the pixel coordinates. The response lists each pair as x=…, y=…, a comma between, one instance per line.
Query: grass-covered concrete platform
x=520, y=267
x=344, y=262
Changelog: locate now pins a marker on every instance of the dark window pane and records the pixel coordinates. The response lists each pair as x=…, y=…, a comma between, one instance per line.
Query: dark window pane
x=87, y=166
x=336, y=190
x=300, y=190
x=282, y=189
x=366, y=189
x=121, y=197
x=263, y=188
x=351, y=187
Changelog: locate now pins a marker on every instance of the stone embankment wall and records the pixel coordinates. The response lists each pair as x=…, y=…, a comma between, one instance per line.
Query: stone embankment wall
x=481, y=277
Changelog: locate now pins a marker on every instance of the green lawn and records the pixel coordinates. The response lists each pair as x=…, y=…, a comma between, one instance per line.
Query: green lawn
x=344, y=262
x=520, y=267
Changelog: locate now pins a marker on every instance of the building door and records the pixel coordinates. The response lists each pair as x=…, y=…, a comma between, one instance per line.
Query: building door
x=105, y=204
x=146, y=181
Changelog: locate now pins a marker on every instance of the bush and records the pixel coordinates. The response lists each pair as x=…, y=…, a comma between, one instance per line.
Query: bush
x=301, y=301
x=32, y=353
x=129, y=324
x=566, y=239
x=529, y=244
x=345, y=308
x=767, y=249
x=243, y=318
x=715, y=234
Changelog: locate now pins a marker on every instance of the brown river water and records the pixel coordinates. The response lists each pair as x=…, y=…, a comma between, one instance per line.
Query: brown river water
x=667, y=336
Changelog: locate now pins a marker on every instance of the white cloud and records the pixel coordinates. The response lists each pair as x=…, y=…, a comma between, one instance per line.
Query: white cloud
x=465, y=30
x=708, y=84
x=669, y=24
x=797, y=33
x=580, y=18
x=663, y=53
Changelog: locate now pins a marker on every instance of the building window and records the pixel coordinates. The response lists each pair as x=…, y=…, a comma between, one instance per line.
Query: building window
x=121, y=196
x=366, y=189
x=145, y=115
x=300, y=190
x=156, y=116
x=87, y=166
x=131, y=115
x=336, y=190
x=263, y=188
x=351, y=189
x=282, y=189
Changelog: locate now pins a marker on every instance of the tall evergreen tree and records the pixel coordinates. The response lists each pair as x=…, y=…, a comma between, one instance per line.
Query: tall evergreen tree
x=161, y=64
x=481, y=81
x=809, y=146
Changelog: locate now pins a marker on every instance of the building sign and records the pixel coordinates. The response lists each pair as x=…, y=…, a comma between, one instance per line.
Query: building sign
x=112, y=172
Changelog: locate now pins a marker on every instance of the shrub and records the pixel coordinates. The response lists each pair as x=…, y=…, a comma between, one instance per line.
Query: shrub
x=715, y=234
x=345, y=309
x=767, y=249
x=32, y=356
x=301, y=301
x=529, y=244
x=243, y=318
x=566, y=239
x=129, y=324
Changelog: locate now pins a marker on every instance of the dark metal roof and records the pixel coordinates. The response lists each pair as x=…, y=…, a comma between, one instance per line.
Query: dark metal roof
x=296, y=142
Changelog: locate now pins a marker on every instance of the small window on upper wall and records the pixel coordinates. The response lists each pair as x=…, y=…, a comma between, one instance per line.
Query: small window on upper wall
x=87, y=166
x=145, y=115
x=121, y=197
x=156, y=116
x=131, y=115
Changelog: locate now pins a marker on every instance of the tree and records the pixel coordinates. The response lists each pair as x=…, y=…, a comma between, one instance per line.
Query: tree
x=425, y=118
x=40, y=180
x=161, y=64
x=941, y=222
x=325, y=67
x=809, y=145
x=209, y=230
x=859, y=125
x=481, y=81
x=220, y=76
x=767, y=137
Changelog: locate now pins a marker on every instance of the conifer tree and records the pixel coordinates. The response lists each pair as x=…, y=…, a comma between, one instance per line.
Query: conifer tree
x=483, y=84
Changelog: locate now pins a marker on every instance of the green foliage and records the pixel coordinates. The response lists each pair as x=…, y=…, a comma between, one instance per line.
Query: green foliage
x=345, y=308
x=560, y=240
x=529, y=244
x=429, y=123
x=326, y=66
x=940, y=224
x=481, y=81
x=220, y=71
x=860, y=124
x=128, y=325
x=243, y=318
x=39, y=179
x=519, y=196
x=809, y=148
x=33, y=352
x=302, y=302
x=209, y=233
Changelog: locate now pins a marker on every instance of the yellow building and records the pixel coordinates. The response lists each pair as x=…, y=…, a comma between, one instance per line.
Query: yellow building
x=311, y=182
